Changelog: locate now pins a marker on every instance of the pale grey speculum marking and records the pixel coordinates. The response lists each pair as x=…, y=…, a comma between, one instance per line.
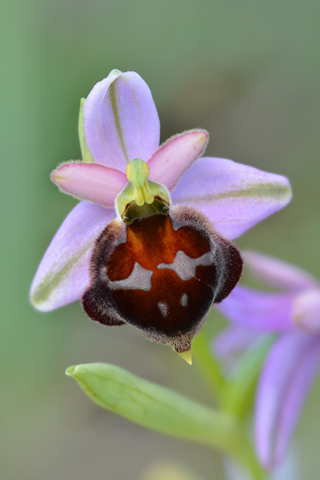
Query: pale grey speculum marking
x=184, y=300
x=163, y=307
x=139, y=279
x=184, y=266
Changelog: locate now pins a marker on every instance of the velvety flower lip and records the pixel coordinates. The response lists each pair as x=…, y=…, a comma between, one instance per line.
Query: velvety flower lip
x=294, y=359
x=120, y=122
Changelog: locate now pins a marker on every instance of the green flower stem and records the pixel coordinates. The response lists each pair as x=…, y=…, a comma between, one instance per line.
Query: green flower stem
x=249, y=461
x=240, y=389
x=234, y=396
x=162, y=410
x=209, y=366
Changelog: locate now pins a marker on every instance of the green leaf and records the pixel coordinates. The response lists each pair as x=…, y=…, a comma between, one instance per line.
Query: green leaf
x=164, y=411
x=153, y=406
x=86, y=155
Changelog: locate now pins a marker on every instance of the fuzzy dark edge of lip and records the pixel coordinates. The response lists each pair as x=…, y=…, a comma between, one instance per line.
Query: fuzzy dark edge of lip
x=181, y=216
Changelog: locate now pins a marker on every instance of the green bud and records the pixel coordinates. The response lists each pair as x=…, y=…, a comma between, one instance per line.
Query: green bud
x=164, y=411
x=153, y=406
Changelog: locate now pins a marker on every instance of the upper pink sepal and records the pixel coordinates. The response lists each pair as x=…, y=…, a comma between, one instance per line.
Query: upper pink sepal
x=176, y=156
x=63, y=274
x=233, y=196
x=90, y=181
x=121, y=120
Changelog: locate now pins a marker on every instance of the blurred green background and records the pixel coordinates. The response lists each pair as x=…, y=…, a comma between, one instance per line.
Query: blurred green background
x=246, y=70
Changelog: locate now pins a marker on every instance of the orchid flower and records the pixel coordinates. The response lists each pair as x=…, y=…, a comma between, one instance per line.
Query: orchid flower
x=150, y=242
x=293, y=314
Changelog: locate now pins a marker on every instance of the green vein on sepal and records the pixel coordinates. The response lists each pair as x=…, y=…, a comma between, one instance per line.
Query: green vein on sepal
x=114, y=105
x=86, y=155
x=275, y=191
x=54, y=279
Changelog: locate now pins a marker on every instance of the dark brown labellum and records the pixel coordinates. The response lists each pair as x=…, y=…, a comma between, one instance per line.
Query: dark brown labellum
x=161, y=274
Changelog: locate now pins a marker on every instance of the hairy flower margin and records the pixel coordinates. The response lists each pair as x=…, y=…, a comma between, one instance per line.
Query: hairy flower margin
x=119, y=122
x=293, y=314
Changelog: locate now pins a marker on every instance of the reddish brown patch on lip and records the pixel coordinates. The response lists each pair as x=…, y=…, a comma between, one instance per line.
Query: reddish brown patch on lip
x=152, y=241
x=171, y=268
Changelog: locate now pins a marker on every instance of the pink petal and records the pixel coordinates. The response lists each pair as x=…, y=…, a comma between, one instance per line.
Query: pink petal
x=278, y=273
x=233, y=341
x=306, y=311
x=287, y=377
x=63, y=274
x=90, y=181
x=233, y=196
x=260, y=311
x=121, y=120
x=176, y=156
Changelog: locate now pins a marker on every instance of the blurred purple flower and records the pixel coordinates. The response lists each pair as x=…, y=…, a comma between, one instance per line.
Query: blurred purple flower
x=121, y=123
x=293, y=361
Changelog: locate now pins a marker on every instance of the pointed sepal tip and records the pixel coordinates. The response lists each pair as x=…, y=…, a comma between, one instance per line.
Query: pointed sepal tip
x=187, y=356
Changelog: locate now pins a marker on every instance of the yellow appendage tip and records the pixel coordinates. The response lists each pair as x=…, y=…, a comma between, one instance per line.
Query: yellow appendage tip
x=187, y=356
